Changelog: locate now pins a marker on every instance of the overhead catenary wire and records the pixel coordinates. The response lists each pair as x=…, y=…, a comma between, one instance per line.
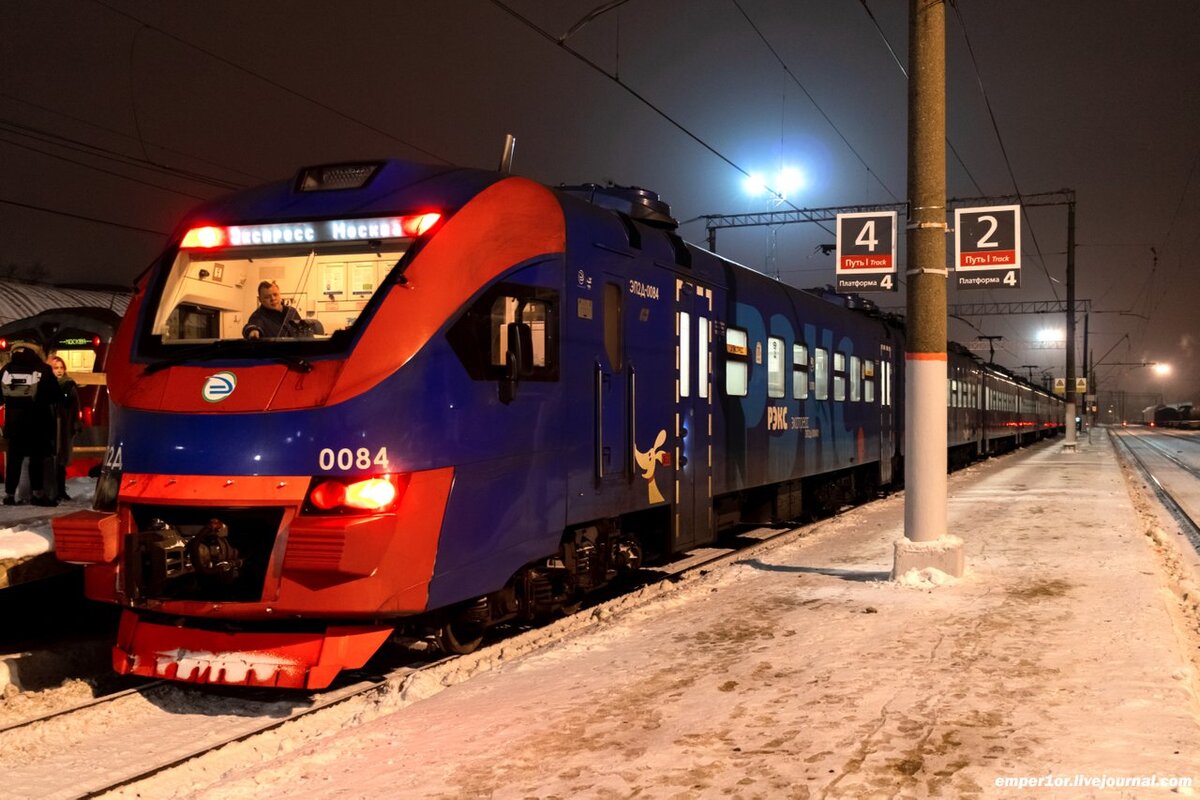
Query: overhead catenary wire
x=560, y=42
x=61, y=213
x=102, y=170
x=1000, y=141
x=274, y=83
x=156, y=145
x=787, y=70
x=95, y=151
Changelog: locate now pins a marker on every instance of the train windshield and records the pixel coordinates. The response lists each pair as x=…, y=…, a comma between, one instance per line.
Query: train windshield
x=249, y=284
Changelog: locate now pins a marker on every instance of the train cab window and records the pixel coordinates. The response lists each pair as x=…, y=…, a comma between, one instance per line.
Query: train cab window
x=737, y=362
x=800, y=371
x=821, y=371
x=613, y=343
x=855, y=379
x=480, y=337
x=868, y=371
x=839, y=376
x=776, y=383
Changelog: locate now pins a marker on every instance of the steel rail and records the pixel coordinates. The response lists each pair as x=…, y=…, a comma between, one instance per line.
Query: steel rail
x=1190, y=528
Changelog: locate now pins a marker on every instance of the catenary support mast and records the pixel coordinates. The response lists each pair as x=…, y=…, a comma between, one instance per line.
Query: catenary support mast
x=926, y=543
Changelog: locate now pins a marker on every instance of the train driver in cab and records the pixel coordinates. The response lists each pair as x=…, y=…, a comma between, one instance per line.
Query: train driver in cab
x=272, y=319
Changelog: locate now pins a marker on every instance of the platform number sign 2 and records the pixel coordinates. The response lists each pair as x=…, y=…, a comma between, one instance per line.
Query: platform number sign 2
x=866, y=252
x=987, y=247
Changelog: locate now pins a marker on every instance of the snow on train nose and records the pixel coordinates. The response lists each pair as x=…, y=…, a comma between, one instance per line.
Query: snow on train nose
x=289, y=660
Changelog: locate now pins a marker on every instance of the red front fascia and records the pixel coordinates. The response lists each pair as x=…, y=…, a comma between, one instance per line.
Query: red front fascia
x=508, y=223
x=341, y=567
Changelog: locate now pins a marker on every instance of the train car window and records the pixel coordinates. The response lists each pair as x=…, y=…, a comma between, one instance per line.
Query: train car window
x=800, y=371
x=868, y=381
x=821, y=368
x=839, y=376
x=855, y=379
x=737, y=362
x=776, y=382
x=703, y=336
x=885, y=376
x=480, y=336
x=613, y=343
x=685, y=354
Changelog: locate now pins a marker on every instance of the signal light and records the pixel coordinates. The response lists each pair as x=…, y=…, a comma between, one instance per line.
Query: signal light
x=349, y=495
x=205, y=238
x=418, y=224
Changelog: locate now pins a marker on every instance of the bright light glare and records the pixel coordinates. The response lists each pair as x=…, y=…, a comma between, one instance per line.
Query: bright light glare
x=1051, y=335
x=755, y=184
x=790, y=181
x=1162, y=369
x=372, y=493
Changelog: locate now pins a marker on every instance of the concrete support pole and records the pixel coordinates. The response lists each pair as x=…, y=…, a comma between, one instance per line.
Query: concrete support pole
x=1069, y=444
x=926, y=543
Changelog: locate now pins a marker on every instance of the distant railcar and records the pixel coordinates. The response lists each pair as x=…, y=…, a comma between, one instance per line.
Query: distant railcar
x=502, y=396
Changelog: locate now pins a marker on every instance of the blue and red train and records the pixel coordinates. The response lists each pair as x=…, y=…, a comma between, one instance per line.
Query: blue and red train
x=506, y=396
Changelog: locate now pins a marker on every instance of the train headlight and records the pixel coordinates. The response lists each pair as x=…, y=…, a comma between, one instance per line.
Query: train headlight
x=355, y=495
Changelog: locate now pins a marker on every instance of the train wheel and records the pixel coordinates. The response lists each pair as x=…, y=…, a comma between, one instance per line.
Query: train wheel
x=459, y=638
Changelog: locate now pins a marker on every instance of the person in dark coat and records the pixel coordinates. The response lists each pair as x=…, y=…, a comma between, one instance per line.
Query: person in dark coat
x=272, y=319
x=66, y=423
x=30, y=394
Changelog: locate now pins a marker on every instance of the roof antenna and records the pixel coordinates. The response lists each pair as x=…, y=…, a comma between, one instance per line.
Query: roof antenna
x=510, y=144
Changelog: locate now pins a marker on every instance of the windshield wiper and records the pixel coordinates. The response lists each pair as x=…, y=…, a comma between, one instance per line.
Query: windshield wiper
x=223, y=347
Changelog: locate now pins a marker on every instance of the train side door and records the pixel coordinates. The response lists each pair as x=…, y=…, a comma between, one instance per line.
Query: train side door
x=611, y=387
x=887, y=413
x=693, y=522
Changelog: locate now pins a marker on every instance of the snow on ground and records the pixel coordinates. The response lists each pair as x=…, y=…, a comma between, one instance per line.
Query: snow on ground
x=1066, y=653
x=25, y=529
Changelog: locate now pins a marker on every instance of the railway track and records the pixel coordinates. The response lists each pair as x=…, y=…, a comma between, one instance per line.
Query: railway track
x=1177, y=484
x=118, y=740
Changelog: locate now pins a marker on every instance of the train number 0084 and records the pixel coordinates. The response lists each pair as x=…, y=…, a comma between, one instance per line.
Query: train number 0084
x=347, y=458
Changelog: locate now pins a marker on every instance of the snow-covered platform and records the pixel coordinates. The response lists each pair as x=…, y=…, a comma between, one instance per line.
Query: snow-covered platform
x=26, y=540
x=1066, y=655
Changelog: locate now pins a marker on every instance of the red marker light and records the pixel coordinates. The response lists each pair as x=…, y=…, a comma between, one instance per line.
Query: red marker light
x=418, y=224
x=328, y=495
x=3, y=344
x=95, y=341
x=351, y=494
x=206, y=237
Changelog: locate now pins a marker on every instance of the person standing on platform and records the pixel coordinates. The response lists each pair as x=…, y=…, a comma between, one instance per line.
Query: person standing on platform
x=67, y=424
x=29, y=392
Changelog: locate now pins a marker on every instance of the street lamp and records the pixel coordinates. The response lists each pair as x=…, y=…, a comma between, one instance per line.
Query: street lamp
x=787, y=182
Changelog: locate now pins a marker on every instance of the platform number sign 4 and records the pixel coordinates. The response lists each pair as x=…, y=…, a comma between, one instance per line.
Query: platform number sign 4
x=987, y=247
x=866, y=252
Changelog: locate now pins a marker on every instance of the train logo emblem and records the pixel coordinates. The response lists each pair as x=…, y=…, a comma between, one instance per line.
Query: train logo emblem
x=218, y=387
x=648, y=461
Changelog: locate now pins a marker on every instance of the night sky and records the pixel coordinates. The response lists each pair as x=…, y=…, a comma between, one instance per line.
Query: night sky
x=119, y=115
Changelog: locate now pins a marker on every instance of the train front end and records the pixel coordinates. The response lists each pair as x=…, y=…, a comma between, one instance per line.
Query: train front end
x=273, y=497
